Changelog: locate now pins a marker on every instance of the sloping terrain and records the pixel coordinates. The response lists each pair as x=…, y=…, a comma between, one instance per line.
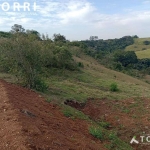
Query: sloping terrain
x=126, y=118
x=94, y=81
x=138, y=45
x=28, y=122
x=142, y=50
x=143, y=54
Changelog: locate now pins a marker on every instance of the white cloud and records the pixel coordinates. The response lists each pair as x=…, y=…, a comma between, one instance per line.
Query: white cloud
x=76, y=12
x=78, y=20
x=146, y=2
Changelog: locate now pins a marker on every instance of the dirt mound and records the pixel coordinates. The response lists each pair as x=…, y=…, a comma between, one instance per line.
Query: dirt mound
x=28, y=122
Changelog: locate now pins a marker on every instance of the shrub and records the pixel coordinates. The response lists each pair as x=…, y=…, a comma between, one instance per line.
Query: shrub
x=144, y=49
x=114, y=87
x=112, y=136
x=22, y=57
x=146, y=42
x=40, y=85
x=67, y=113
x=117, y=66
x=26, y=57
x=80, y=64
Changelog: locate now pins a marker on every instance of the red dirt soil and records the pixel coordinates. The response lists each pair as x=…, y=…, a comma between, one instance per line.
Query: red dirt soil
x=28, y=122
x=136, y=122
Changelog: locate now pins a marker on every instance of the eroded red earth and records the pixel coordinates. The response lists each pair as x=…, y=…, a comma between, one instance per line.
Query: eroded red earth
x=28, y=122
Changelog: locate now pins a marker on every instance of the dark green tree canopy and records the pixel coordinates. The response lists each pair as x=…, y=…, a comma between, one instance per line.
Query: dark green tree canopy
x=59, y=38
x=125, y=57
x=5, y=34
x=146, y=42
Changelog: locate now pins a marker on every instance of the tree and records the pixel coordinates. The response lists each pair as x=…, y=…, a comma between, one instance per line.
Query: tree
x=5, y=34
x=23, y=57
x=125, y=58
x=135, y=36
x=93, y=38
x=16, y=28
x=35, y=33
x=59, y=38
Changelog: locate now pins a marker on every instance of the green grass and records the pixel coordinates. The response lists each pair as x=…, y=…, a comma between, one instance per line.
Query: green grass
x=138, y=45
x=142, y=50
x=93, y=81
x=97, y=132
x=74, y=113
x=115, y=143
x=7, y=77
x=143, y=54
x=104, y=124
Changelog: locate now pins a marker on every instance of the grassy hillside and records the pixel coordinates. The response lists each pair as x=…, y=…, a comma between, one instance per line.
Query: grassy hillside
x=63, y=71
x=142, y=50
x=93, y=80
x=143, y=54
x=138, y=45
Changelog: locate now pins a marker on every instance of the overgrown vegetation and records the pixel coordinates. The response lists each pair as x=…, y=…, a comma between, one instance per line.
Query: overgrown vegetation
x=27, y=56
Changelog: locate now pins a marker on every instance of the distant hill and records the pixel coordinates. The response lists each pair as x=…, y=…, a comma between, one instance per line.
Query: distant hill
x=141, y=46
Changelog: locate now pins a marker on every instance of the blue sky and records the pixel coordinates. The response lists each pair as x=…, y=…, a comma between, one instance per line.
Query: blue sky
x=79, y=19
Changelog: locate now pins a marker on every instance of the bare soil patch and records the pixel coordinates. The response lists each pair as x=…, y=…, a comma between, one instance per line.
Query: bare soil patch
x=29, y=122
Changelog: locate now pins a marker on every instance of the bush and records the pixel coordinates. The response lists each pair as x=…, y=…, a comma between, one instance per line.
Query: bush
x=22, y=57
x=26, y=57
x=114, y=87
x=146, y=42
x=40, y=85
x=144, y=49
x=80, y=64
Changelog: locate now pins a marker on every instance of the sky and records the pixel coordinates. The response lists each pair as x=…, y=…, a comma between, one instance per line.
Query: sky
x=78, y=19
